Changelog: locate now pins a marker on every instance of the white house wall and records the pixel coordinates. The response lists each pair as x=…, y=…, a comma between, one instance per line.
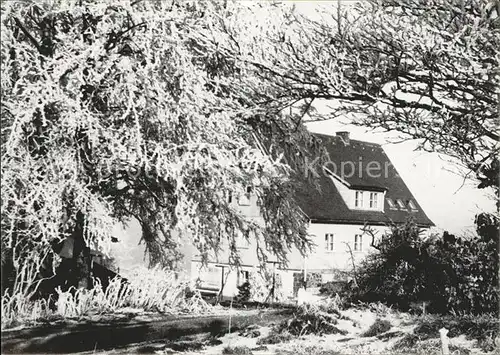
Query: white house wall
x=340, y=257
x=210, y=277
x=318, y=260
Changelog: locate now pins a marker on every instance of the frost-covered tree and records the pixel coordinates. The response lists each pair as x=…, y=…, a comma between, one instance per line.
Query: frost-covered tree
x=427, y=69
x=113, y=110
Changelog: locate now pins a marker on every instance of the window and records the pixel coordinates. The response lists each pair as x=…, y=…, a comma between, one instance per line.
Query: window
x=241, y=242
x=212, y=277
x=373, y=200
x=229, y=197
x=401, y=204
x=358, y=242
x=245, y=199
x=358, y=201
x=412, y=205
x=243, y=276
x=391, y=204
x=329, y=242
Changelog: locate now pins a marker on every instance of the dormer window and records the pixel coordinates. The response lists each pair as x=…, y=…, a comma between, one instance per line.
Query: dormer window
x=368, y=200
x=401, y=204
x=413, y=206
x=358, y=201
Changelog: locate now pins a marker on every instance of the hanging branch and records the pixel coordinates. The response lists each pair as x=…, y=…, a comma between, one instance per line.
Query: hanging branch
x=30, y=37
x=351, y=257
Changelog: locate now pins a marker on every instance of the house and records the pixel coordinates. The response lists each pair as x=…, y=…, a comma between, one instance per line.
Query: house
x=361, y=194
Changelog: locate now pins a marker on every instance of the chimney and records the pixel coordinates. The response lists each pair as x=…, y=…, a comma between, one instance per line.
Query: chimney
x=344, y=136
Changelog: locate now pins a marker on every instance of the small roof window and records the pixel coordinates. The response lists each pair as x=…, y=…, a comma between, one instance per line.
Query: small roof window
x=401, y=204
x=391, y=204
x=412, y=205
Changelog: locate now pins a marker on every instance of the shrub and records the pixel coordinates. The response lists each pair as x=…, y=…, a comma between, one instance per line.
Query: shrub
x=262, y=282
x=380, y=326
x=275, y=336
x=237, y=350
x=185, y=345
x=332, y=305
x=483, y=328
x=243, y=292
x=406, y=342
x=448, y=273
x=332, y=288
x=411, y=344
x=309, y=319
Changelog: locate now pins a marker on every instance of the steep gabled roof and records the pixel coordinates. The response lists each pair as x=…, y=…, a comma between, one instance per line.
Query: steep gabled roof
x=355, y=162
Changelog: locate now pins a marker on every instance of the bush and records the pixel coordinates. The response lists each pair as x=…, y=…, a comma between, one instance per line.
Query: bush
x=483, y=328
x=332, y=305
x=448, y=273
x=379, y=327
x=275, y=336
x=309, y=319
x=244, y=292
x=332, y=288
x=237, y=350
x=262, y=282
x=411, y=344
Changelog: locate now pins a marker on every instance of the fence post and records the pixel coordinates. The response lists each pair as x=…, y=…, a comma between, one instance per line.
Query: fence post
x=443, y=332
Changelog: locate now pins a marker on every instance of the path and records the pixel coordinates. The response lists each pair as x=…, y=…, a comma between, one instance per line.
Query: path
x=92, y=335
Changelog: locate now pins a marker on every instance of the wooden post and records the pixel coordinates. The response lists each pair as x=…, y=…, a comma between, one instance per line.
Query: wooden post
x=274, y=283
x=305, y=272
x=230, y=314
x=219, y=296
x=443, y=332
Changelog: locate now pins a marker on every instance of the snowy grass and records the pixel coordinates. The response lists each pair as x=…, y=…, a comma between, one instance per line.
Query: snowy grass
x=18, y=309
x=154, y=290
x=374, y=329
x=17, y=305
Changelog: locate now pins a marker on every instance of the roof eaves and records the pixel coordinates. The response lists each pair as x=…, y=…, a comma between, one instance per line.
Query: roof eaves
x=363, y=222
x=369, y=188
x=347, y=221
x=336, y=177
